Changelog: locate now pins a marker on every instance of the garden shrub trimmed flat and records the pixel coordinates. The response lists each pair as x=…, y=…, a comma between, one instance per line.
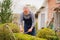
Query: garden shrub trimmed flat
x=6, y=33
x=58, y=33
x=14, y=28
x=10, y=31
x=47, y=33
x=21, y=36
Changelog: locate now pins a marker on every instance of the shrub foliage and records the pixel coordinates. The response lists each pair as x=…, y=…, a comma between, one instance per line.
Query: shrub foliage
x=47, y=33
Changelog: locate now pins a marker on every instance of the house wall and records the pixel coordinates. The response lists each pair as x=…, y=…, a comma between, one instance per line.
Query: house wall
x=42, y=17
x=51, y=5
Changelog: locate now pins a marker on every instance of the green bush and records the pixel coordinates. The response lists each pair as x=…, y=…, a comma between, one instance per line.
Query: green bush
x=14, y=27
x=6, y=33
x=47, y=33
x=58, y=34
x=20, y=36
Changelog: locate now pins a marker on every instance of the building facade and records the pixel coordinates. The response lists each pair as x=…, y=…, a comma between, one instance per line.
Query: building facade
x=43, y=15
x=47, y=16
x=54, y=15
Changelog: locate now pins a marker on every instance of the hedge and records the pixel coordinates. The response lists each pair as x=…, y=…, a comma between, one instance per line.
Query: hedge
x=6, y=33
x=21, y=36
x=14, y=27
x=47, y=33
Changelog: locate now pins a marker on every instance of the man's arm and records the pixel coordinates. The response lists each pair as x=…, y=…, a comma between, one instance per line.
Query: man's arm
x=33, y=20
x=21, y=22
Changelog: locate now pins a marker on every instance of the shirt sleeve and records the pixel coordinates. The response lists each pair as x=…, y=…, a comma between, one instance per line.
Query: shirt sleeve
x=33, y=19
x=21, y=19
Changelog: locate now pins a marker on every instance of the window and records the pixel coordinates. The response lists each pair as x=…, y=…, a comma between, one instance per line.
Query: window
x=57, y=1
x=42, y=20
x=57, y=21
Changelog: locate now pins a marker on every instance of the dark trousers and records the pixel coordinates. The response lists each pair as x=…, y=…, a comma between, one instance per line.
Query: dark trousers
x=26, y=28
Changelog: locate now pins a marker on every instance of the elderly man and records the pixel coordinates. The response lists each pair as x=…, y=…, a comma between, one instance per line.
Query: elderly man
x=29, y=21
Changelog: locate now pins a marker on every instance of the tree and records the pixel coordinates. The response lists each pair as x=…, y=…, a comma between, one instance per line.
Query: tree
x=5, y=13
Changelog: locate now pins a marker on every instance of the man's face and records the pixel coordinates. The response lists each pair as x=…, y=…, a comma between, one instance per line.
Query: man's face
x=26, y=10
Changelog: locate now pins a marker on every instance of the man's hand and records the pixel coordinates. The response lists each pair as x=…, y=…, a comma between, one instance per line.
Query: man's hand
x=21, y=30
x=30, y=30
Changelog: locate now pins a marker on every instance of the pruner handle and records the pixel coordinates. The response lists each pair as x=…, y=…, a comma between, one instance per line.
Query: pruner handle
x=25, y=32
